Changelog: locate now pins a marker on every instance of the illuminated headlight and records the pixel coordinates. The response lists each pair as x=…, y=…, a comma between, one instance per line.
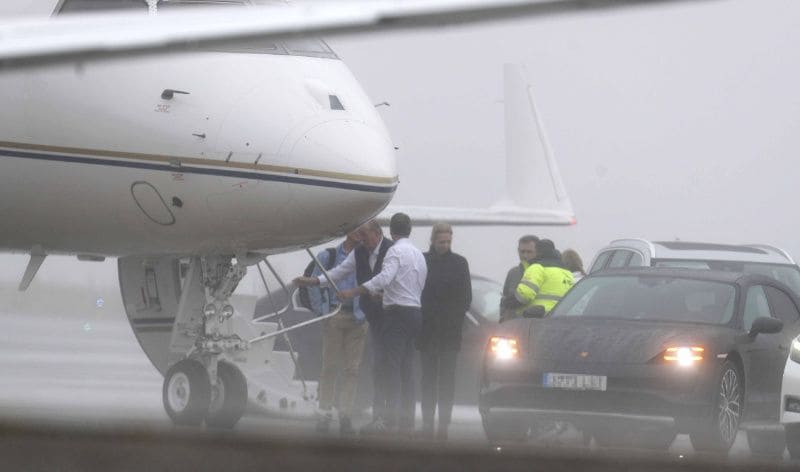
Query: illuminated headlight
x=794, y=354
x=685, y=356
x=504, y=349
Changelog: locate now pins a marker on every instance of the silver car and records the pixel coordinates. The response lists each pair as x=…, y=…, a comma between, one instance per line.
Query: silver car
x=748, y=258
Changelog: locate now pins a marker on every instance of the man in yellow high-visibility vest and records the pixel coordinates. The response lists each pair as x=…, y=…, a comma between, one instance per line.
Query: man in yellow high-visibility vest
x=545, y=281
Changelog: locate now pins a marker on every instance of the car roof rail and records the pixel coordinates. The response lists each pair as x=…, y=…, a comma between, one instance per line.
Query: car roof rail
x=647, y=242
x=772, y=248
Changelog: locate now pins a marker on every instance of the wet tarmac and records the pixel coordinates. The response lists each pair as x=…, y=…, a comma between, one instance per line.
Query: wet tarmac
x=72, y=383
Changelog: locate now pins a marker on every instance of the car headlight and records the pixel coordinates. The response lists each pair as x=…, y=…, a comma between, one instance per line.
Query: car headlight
x=794, y=354
x=685, y=356
x=503, y=349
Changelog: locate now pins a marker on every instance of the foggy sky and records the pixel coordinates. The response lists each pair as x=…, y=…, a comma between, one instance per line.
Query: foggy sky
x=669, y=122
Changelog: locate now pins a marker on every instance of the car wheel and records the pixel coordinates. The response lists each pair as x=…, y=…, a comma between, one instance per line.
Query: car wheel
x=720, y=431
x=766, y=443
x=793, y=440
x=505, y=430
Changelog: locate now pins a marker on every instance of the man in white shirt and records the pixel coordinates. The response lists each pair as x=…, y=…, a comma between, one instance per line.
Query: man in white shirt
x=401, y=279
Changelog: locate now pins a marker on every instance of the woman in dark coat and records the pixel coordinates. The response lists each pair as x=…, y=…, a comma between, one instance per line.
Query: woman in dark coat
x=445, y=301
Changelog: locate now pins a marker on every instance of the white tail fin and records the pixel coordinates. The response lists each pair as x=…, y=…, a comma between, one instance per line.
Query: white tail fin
x=535, y=191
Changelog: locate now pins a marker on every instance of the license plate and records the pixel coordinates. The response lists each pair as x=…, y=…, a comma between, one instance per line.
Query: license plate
x=575, y=381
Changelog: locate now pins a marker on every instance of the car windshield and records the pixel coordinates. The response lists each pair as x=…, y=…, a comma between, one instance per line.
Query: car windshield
x=786, y=274
x=650, y=298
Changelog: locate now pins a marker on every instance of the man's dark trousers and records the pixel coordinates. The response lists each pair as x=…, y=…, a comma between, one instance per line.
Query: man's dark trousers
x=378, y=380
x=401, y=325
x=438, y=385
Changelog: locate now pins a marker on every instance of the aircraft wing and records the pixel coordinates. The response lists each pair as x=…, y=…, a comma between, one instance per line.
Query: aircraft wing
x=534, y=191
x=85, y=36
x=495, y=216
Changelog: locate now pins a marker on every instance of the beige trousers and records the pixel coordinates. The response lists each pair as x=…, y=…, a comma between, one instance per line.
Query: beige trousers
x=342, y=348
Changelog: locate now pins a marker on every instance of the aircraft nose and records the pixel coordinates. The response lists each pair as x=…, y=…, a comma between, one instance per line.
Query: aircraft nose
x=349, y=171
x=351, y=150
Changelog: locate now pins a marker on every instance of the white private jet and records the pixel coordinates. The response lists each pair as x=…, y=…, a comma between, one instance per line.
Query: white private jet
x=239, y=140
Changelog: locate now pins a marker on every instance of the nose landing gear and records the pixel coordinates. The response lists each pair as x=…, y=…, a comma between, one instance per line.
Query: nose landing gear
x=187, y=392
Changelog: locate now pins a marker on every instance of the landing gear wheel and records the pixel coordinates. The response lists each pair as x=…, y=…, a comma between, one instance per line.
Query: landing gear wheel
x=720, y=432
x=228, y=397
x=766, y=443
x=187, y=392
x=793, y=440
x=504, y=431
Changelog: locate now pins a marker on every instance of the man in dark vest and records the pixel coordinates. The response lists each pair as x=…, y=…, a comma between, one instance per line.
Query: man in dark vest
x=369, y=261
x=400, y=282
x=365, y=261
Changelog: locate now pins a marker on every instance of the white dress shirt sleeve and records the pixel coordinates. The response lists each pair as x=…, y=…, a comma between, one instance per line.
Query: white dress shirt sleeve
x=391, y=262
x=347, y=267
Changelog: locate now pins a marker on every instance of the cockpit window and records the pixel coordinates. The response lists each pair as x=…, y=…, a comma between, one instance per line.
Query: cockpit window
x=69, y=6
x=309, y=47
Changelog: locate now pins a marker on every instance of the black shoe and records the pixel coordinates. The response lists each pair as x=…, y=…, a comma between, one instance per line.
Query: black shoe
x=346, y=427
x=324, y=423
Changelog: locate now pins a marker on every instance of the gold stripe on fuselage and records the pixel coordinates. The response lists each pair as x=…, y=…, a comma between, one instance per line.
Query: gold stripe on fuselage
x=199, y=161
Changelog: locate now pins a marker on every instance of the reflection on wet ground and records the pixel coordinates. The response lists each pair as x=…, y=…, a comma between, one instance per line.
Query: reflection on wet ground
x=75, y=388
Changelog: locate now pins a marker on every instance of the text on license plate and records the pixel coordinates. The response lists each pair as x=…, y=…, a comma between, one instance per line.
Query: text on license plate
x=575, y=381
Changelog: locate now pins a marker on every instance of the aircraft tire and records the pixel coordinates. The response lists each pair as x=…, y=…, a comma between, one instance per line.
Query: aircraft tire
x=229, y=397
x=187, y=392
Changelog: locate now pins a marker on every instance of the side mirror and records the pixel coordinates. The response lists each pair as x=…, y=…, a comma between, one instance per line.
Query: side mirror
x=535, y=311
x=766, y=325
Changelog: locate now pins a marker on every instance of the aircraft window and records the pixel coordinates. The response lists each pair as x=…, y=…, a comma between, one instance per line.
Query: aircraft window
x=68, y=6
x=314, y=47
x=87, y=5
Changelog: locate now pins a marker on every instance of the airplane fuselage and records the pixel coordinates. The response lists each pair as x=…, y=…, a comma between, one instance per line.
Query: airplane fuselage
x=266, y=152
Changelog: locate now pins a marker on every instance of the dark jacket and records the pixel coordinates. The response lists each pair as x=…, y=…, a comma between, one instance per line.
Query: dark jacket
x=371, y=306
x=445, y=300
x=508, y=302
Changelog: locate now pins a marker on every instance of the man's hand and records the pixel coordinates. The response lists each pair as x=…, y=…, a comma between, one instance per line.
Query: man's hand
x=351, y=293
x=306, y=281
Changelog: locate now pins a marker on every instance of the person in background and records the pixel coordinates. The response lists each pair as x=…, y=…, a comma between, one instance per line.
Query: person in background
x=572, y=262
x=545, y=281
x=526, y=249
x=445, y=301
x=401, y=279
